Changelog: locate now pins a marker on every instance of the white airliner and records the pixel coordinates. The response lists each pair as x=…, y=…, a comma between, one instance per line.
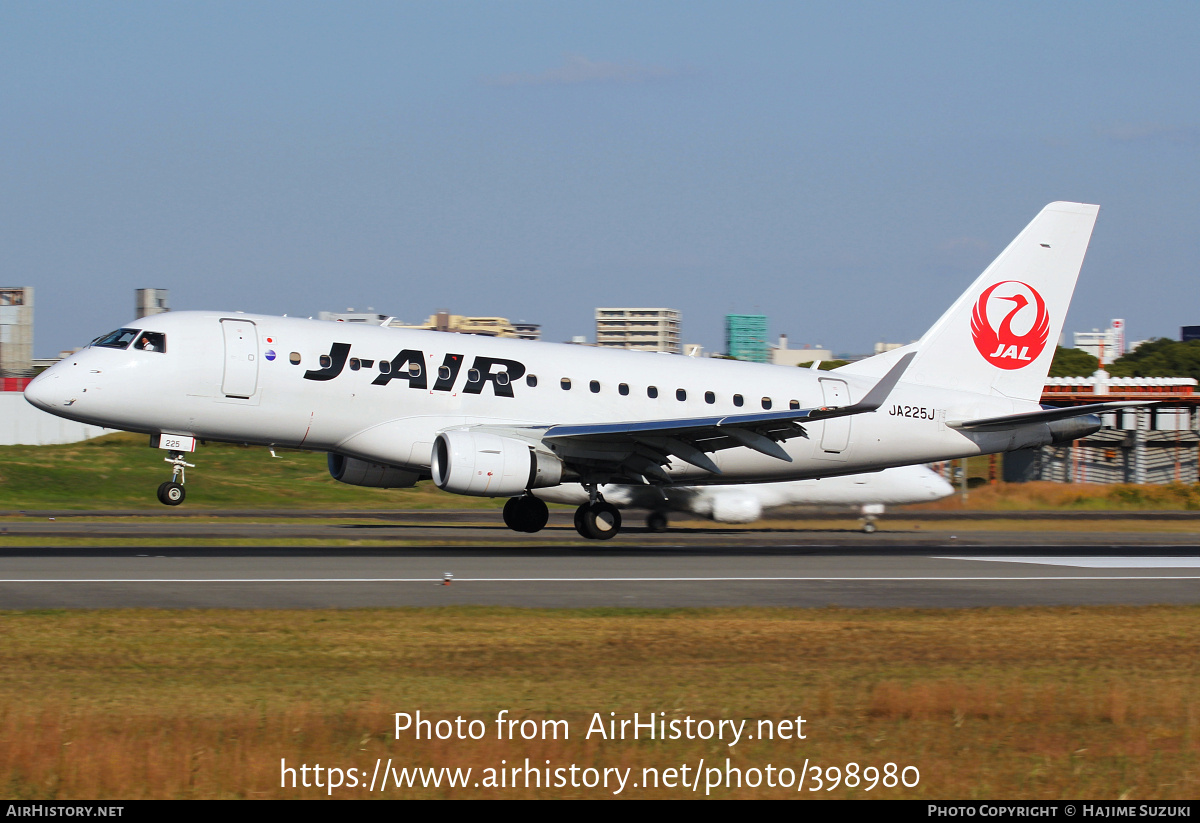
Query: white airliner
x=869, y=493
x=500, y=418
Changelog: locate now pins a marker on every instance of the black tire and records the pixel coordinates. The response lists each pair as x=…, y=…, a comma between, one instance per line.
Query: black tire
x=511, y=514
x=537, y=514
x=527, y=514
x=599, y=521
x=869, y=527
x=171, y=494
x=657, y=521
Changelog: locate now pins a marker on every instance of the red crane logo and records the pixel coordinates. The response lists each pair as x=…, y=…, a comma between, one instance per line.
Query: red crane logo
x=1001, y=346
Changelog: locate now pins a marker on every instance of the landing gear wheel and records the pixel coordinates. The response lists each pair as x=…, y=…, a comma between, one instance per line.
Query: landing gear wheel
x=526, y=514
x=869, y=527
x=598, y=521
x=657, y=522
x=171, y=494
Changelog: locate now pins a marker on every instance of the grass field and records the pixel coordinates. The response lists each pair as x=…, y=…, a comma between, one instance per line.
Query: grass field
x=1038, y=703
x=1096, y=703
x=121, y=471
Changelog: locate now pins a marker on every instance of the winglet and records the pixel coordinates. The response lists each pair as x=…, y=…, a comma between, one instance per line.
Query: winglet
x=875, y=397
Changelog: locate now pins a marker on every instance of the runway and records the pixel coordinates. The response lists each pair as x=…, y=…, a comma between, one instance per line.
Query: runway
x=481, y=563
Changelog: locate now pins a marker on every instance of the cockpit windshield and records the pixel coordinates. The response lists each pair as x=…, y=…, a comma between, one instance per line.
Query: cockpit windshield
x=119, y=339
x=151, y=341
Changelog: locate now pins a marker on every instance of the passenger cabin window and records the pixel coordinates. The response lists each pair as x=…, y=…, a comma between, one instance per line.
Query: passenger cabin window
x=119, y=339
x=737, y=400
x=623, y=389
x=565, y=383
x=326, y=361
x=443, y=372
x=501, y=378
x=385, y=366
x=793, y=404
x=355, y=364
x=766, y=401
x=414, y=369
x=294, y=358
x=710, y=398
x=473, y=375
x=531, y=380
x=152, y=341
x=594, y=386
x=680, y=394
x=652, y=392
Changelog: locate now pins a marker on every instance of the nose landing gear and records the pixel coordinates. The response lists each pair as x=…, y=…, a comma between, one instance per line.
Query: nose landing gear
x=172, y=493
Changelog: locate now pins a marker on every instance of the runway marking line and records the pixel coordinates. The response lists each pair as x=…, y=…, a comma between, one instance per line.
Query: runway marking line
x=1095, y=562
x=440, y=580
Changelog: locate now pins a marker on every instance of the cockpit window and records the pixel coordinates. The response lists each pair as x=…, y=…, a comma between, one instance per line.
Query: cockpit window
x=119, y=339
x=152, y=341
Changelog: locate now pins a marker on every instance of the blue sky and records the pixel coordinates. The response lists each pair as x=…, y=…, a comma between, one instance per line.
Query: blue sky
x=845, y=168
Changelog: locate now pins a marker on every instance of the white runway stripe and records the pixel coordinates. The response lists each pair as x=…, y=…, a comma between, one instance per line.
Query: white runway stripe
x=1097, y=562
x=457, y=580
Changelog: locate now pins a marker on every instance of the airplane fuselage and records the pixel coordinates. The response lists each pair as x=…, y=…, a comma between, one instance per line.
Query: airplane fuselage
x=383, y=395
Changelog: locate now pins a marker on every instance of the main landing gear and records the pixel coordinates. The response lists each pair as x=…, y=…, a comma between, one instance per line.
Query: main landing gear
x=526, y=514
x=172, y=493
x=597, y=519
x=656, y=521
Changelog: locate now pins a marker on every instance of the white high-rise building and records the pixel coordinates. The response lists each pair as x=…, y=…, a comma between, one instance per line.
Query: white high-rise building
x=151, y=302
x=16, y=331
x=1106, y=346
x=638, y=329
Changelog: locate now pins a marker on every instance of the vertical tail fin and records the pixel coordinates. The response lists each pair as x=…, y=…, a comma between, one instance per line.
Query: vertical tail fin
x=999, y=336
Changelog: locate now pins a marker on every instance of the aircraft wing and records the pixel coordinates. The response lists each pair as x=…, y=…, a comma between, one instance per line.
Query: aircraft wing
x=640, y=449
x=1046, y=415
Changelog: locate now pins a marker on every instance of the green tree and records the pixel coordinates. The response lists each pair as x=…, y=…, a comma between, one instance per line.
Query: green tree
x=1072, y=363
x=1161, y=357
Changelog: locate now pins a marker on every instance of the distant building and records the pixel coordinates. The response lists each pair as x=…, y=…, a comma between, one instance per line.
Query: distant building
x=1151, y=444
x=443, y=321
x=351, y=316
x=16, y=331
x=528, y=331
x=882, y=347
x=1187, y=333
x=781, y=355
x=150, y=301
x=746, y=337
x=1106, y=346
x=638, y=329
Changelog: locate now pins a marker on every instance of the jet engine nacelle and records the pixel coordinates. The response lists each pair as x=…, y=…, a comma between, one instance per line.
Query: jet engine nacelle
x=364, y=473
x=488, y=465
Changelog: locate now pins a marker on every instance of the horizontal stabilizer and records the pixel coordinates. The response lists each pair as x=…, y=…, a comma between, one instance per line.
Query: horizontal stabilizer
x=1010, y=421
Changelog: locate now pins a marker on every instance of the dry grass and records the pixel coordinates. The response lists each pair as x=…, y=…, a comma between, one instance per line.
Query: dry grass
x=1037, y=703
x=1042, y=496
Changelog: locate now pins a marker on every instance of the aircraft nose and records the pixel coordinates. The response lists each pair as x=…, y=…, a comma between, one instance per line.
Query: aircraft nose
x=48, y=392
x=38, y=392
x=938, y=487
